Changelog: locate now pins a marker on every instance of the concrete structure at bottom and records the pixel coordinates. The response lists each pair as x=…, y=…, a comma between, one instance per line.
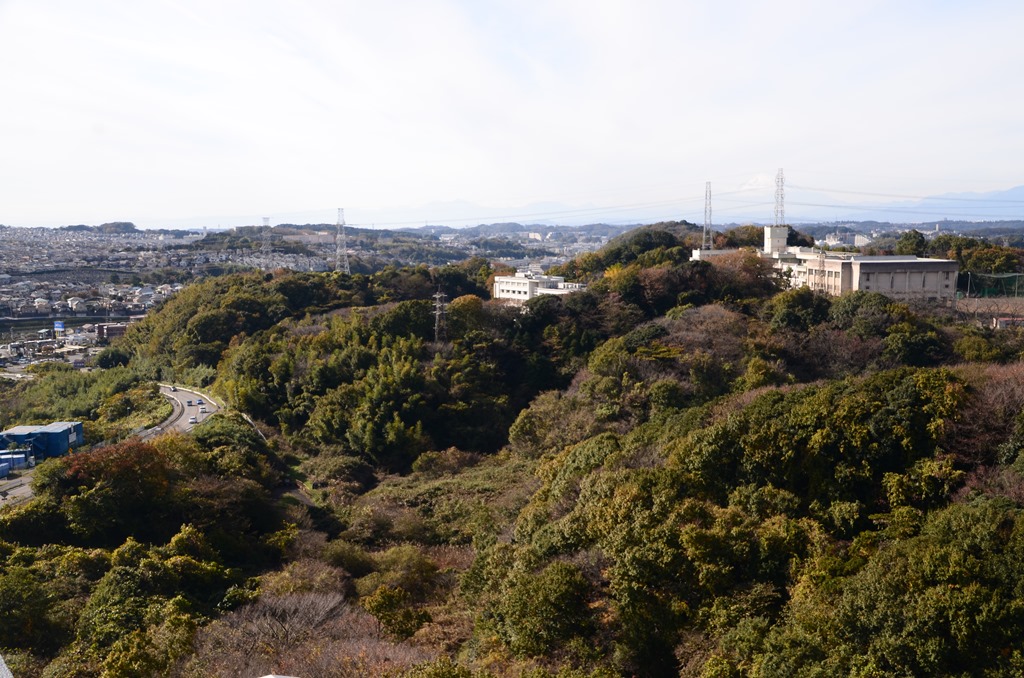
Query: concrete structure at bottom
x=526, y=285
x=51, y=440
x=835, y=273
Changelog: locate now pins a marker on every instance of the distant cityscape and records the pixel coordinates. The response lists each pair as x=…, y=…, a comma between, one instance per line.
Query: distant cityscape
x=110, y=273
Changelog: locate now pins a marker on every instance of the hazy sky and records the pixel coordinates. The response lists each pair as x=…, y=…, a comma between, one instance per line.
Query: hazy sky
x=163, y=111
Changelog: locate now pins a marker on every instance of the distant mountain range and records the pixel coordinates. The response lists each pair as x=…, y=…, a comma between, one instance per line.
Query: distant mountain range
x=808, y=205
x=803, y=205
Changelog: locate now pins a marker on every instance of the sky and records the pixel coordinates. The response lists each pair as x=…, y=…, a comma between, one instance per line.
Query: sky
x=181, y=113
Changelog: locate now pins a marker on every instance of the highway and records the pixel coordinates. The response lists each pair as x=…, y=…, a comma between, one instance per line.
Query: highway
x=186, y=405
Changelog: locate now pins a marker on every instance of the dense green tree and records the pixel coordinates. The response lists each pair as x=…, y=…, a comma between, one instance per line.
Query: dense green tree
x=25, y=612
x=936, y=604
x=543, y=610
x=113, y=356
x=911, y=242
x=798, y=309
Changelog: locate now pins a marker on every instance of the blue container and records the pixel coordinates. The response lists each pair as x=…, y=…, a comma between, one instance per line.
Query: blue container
x=14, y=460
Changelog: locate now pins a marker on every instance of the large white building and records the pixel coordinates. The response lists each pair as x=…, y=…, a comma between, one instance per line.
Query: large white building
x=526, y=285
x=835, y=273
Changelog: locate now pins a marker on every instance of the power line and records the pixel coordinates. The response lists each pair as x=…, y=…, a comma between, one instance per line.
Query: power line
x=888, y=210
x=909, y=197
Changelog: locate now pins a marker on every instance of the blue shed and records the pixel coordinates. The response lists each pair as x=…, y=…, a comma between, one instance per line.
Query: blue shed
x=5, y=468
x=60, y=436
x=51, y=440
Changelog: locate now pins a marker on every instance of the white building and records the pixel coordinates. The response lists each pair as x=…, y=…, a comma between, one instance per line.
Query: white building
x=526, y=285
x=835, y=273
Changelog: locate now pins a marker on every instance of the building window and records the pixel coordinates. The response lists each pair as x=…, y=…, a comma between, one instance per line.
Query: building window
x=947, y=275
x=867, y=277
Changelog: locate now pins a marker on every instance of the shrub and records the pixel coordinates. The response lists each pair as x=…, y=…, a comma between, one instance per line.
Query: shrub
x=392, y=607
x=538, y=613
x=350, y=557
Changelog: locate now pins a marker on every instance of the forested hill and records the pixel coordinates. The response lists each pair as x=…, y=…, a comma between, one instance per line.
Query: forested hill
x=682, y=470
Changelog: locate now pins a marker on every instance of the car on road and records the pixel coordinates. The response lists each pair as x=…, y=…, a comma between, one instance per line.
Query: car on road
x=202, y=410
x=199, y=401
x=193, y=420
x=174, y=389
x=189, y=403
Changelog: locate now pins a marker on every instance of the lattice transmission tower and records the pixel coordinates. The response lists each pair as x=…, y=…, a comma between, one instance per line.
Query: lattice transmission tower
x=341, y=246
x=706, y=243
x=265, y=248
x=780, y=199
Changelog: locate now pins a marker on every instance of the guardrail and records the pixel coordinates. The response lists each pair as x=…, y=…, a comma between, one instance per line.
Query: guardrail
x=189, y=389
x=218, y=402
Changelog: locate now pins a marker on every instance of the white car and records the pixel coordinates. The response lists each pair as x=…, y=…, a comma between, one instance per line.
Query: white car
x=193, y=420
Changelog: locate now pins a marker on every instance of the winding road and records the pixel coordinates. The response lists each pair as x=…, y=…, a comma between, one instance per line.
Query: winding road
x=186, y=405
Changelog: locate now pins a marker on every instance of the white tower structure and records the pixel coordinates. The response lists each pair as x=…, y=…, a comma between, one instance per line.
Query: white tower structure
x=775, y=239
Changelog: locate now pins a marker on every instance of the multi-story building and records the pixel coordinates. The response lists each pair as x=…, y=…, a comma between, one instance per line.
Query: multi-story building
x=896, y=276
x=835, y=273
x=526, y=285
